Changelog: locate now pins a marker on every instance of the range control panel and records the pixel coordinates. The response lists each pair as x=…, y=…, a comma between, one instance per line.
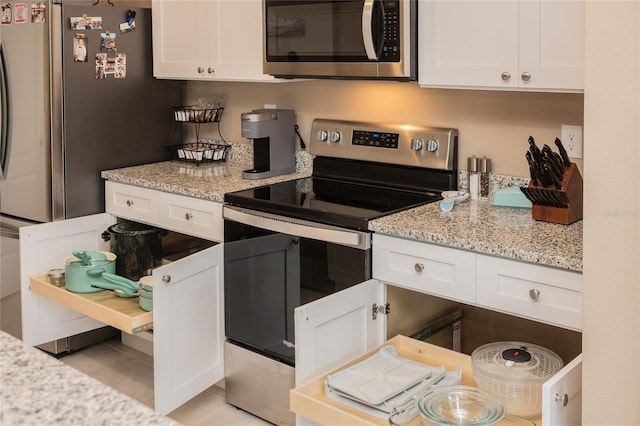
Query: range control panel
x=391, y=143
x=381, y=139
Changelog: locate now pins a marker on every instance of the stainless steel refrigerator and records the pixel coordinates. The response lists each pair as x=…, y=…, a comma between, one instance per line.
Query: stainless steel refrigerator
x=77, y=97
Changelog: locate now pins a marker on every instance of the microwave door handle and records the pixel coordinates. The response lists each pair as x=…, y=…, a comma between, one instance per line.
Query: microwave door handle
x=367, y=29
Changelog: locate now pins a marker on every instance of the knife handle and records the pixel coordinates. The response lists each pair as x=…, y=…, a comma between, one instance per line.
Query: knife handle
x=563, y=153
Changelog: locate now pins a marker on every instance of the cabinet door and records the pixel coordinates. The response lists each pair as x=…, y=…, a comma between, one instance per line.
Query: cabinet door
x=337, y=328
x=468, y=43
x=183, y=36
x=552, y=44
x=238, y=50
x=188, y=319
x=45, y=246
x=208, y=39
x=562, y=396
x=427, y=268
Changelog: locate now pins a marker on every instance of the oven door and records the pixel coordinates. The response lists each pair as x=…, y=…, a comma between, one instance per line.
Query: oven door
x=346, y=38
x=273, y=265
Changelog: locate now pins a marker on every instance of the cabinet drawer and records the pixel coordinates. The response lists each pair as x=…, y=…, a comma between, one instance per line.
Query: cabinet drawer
x=540, y=293
x=200, y=218
x=131, y=202
x=435, y=270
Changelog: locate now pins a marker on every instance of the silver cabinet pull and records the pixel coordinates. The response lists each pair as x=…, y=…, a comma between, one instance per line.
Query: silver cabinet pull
x=534, y=294
x=129, y=203
x=419, y=267
x=505, y=76
x=166, y=279
x=188, y=216
x=525, y=76
x=563, y=399
x=200, y=70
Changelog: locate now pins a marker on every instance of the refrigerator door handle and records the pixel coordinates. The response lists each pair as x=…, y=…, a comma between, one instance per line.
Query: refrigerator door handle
x=5, y=113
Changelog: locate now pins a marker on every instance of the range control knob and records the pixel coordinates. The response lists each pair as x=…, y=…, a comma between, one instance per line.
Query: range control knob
x=322, y=135
x=334, y=136
x=432, y=145
x=416, y=144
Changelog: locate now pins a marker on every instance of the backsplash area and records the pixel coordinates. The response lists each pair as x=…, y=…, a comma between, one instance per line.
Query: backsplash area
x=496, y=182
x=243, y=153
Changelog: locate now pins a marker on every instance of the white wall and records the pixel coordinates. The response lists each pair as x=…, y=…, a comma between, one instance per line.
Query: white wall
x=611, y=302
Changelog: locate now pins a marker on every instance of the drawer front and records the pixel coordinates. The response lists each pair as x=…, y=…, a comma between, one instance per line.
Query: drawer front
x=200, y=218
x=131, y=202
x=537, y=292
x=426, y=268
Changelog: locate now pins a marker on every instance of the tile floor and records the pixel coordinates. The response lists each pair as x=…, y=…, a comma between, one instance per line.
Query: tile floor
x=131, y=372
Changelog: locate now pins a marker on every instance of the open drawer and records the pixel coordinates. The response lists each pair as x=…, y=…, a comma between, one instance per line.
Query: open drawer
x=121, y=313
x=309, y=400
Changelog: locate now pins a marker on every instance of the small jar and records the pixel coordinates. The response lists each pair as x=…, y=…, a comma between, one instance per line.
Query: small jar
x=56, y=277
x=474, y=177
x=484, y=167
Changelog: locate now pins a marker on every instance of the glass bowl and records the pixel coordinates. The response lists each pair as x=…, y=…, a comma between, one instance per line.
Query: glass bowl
x=460, y=405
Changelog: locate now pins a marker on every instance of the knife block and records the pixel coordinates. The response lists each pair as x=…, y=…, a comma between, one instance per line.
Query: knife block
x=571, y=192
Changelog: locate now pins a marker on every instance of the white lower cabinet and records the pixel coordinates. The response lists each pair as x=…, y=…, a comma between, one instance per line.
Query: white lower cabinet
x=344, y=327
x=188, y=315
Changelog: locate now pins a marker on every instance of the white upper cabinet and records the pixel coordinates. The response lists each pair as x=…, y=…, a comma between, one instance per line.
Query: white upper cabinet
x=218, y=40
x=510, y=45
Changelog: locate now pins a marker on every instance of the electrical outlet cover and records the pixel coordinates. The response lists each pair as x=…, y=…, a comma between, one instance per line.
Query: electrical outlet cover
x=572, y=140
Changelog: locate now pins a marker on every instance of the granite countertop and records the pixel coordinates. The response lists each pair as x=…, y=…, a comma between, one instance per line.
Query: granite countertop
x=37, y=389
x=472, y=225
x=208, y=181
x=480, y=227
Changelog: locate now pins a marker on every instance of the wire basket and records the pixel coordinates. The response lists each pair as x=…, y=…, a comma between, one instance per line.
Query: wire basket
x=197, y=114
x=200, y=152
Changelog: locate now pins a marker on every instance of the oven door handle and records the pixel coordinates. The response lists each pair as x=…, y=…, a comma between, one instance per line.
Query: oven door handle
x=298, y=227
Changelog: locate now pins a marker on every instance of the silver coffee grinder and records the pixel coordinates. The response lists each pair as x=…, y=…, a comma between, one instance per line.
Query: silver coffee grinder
x=273, y=134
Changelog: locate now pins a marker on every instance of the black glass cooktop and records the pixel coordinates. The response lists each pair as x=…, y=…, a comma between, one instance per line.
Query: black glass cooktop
x=328, y=201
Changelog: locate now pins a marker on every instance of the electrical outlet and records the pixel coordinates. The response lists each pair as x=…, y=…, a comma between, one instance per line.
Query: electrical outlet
x=572, y=140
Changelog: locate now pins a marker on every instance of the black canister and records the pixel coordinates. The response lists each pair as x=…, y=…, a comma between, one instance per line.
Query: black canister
x=138, y=248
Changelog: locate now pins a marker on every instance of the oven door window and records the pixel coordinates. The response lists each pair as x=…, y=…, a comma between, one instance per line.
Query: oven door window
x=268, y=275
x=309, y=31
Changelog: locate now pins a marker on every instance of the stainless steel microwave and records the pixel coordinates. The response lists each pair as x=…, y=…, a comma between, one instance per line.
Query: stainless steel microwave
x=359, y=39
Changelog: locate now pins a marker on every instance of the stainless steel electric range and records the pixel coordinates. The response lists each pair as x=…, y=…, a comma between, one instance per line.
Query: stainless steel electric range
x=289, y=243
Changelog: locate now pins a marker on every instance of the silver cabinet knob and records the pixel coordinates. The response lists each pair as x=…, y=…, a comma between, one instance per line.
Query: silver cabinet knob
x=334, y=136
x=563, y=399
x=211, y=70
x=322, y=135
x=188, y=216
x=166, y=279
x=432, y=145
x=129, y=203
x=200, y=70
x=534, y=294
x=525, y=76
x=505, y=76
x=419, y=267
x=416, y=144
